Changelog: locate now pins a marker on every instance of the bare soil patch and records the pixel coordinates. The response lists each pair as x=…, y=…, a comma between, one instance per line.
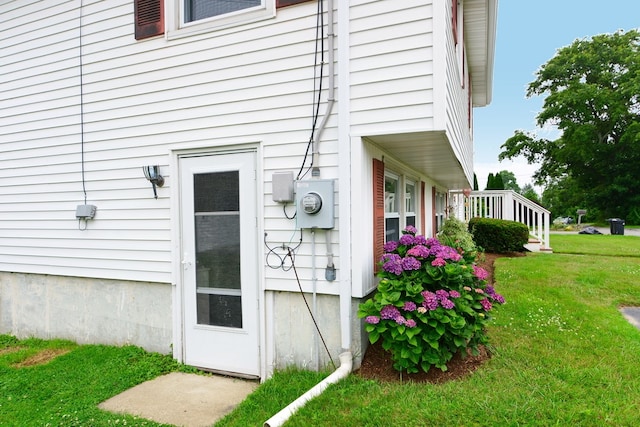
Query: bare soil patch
x=377, y=363
x=42, y=357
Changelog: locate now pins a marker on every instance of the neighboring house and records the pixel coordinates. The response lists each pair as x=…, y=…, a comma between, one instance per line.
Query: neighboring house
x=224, y=102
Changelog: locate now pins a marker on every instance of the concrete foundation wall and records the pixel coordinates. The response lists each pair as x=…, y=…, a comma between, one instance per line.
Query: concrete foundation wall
x=86, y=310
x=296, y=341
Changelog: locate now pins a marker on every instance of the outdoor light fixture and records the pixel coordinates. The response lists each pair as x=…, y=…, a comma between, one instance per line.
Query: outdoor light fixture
x=152, y=173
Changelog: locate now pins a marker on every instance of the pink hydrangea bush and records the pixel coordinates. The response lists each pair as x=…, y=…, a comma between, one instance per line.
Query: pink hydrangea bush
x=431, y=303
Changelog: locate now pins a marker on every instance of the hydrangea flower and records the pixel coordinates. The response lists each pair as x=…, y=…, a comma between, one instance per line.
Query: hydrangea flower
x=486, y=304
x=419, y=251
x=410, y=323
x=410, y=263
x=419, y=240
x=392, y=264
x=491, y=292
x=454, y=294
x=430, y=300
x=400, y=320
x=409, y=306
x=447, y=303
x=374, y=320
x=480, y=273
x=438, y=262
x=407, y=239
x=389, y=312
x=442, y=294
x=390, y=246
x=410, y=229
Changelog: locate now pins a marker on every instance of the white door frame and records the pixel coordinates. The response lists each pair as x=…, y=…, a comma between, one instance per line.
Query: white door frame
x=266, y=349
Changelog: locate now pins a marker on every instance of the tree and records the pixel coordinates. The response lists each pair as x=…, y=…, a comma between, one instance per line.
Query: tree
x=530, y=193
x=498, y=183
x=592, y=90
x=489, y=182
x=509, y=181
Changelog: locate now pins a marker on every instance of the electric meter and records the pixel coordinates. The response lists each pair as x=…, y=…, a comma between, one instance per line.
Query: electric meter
x=314, y=203
x=311, y=203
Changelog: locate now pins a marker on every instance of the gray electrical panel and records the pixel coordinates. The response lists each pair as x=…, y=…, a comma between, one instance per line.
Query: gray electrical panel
x=314, y=203
x=282, y=187
x=85, y=212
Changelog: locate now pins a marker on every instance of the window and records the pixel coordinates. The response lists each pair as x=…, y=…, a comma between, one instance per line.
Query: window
x=410, y=203
x=195, y=10
x=396, y=205
x=195, y=16
x=391, y=208
x=439, y=209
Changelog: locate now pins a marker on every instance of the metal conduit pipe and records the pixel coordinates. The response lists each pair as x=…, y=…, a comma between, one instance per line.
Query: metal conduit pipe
x=342, y=372
x=331, y=90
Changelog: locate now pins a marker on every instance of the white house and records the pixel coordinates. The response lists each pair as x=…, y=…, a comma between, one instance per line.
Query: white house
x=363, y=107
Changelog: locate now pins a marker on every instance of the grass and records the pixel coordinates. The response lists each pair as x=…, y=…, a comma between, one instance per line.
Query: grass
x=562, y=354
x=66, y=390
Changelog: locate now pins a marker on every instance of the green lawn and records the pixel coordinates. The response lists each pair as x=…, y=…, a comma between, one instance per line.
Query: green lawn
x=562, y=355
x=67, y=390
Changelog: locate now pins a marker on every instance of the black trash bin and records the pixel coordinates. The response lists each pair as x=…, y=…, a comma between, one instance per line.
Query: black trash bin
x=616, y=226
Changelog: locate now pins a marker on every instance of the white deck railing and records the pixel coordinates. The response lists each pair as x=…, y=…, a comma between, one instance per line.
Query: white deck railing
x=502, y=204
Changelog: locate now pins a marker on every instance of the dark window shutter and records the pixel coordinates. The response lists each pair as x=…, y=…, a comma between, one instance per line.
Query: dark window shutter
x=149, y=17
x=378, y=212
x=283, y=3
x=454, y=20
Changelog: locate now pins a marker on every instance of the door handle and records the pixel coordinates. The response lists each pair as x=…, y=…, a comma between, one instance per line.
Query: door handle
x=186, y=264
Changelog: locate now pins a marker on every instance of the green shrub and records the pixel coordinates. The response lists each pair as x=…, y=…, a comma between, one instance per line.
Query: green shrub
x=431, y=303
x=454, y=233
x=499, y=235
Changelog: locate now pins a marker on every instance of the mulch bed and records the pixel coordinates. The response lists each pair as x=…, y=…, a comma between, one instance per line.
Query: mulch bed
x=377, y=363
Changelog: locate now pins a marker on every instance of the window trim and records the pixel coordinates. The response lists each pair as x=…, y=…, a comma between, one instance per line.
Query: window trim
x=177, y=28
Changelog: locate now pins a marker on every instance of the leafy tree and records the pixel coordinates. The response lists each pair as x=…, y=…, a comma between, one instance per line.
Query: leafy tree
x=530, y=193
x=592, y=90
x=509, y=181
x=475, y=182
x=563, y=198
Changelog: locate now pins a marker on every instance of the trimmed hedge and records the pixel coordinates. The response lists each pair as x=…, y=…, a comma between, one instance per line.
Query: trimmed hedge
x=499, y=235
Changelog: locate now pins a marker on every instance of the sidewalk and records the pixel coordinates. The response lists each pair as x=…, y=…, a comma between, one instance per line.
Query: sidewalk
x=185, y=400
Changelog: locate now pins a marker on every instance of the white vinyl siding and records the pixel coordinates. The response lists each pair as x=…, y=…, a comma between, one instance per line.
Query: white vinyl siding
x=457, y=95
x=250, y=84
x=391, y=66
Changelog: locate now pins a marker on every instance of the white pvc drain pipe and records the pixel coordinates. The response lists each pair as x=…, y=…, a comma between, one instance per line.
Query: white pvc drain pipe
x=340, y=373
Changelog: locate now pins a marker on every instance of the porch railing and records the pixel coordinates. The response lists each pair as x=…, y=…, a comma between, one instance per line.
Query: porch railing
x=503, y=204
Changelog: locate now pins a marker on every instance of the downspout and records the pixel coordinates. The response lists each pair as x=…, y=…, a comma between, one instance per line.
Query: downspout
x=337, y=375
x=315, y=171
x=346, y=358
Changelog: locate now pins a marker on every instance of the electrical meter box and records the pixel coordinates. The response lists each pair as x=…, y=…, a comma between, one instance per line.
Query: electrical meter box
x=314, y=203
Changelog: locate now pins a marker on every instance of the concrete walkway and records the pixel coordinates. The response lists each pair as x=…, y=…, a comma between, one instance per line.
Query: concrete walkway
x=185, y=400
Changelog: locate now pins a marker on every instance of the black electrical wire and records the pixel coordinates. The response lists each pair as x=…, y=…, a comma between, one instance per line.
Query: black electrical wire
x=293, y=265
x=84, y=188
x=317, y=92
x=284, y=210
x=280, y=258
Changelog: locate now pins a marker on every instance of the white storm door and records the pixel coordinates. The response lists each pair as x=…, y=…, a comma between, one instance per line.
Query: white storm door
x=219, y=265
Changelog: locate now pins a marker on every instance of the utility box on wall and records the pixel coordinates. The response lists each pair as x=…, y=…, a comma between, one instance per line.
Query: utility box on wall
x=314, y=203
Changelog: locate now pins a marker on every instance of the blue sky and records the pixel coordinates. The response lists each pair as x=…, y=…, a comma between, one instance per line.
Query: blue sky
x=529, y=34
